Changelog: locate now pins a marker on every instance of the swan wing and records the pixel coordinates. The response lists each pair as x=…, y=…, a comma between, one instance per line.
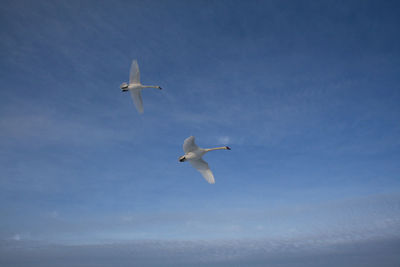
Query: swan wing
x=189, y=145
x=203, y=168
x=137, y=99
x=134, y=76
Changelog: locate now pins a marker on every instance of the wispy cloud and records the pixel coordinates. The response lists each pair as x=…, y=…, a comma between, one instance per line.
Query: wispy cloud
x=224, y=139
x=16, y=237
x=48, y=129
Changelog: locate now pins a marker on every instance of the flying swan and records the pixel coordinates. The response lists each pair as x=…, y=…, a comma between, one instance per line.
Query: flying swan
x=193, y=154
x=135, y=86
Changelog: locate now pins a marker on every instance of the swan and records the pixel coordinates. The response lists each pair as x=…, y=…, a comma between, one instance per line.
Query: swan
x=194, y=154
x=135, y=87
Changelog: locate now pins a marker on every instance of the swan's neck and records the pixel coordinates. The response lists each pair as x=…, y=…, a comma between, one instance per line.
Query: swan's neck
x=150, y=86
x=215, y=148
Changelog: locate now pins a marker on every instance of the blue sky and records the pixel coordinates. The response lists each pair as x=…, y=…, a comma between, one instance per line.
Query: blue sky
x=305, y=93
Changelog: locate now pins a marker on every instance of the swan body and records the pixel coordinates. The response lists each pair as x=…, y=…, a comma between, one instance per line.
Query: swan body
x=194, y=155
x=135, y=87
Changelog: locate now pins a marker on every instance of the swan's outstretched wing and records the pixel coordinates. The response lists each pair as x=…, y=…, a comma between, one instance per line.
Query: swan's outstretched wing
x=189, y=145
x=137, y=99
x=203, y=168
x=134, y=76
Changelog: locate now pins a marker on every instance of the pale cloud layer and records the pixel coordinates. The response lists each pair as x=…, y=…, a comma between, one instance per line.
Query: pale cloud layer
x=329, y=252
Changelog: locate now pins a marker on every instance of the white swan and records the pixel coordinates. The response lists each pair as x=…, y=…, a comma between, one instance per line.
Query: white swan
x=135, y=86
x=193, y=154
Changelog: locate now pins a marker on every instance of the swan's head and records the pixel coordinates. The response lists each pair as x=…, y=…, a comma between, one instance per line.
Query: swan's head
x=124, y=87
x=182, y=159
x=227, y=147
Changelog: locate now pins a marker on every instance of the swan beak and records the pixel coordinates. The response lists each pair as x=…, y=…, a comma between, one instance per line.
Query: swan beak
x=227, y=147
x=159, y=88
x=182, y=159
